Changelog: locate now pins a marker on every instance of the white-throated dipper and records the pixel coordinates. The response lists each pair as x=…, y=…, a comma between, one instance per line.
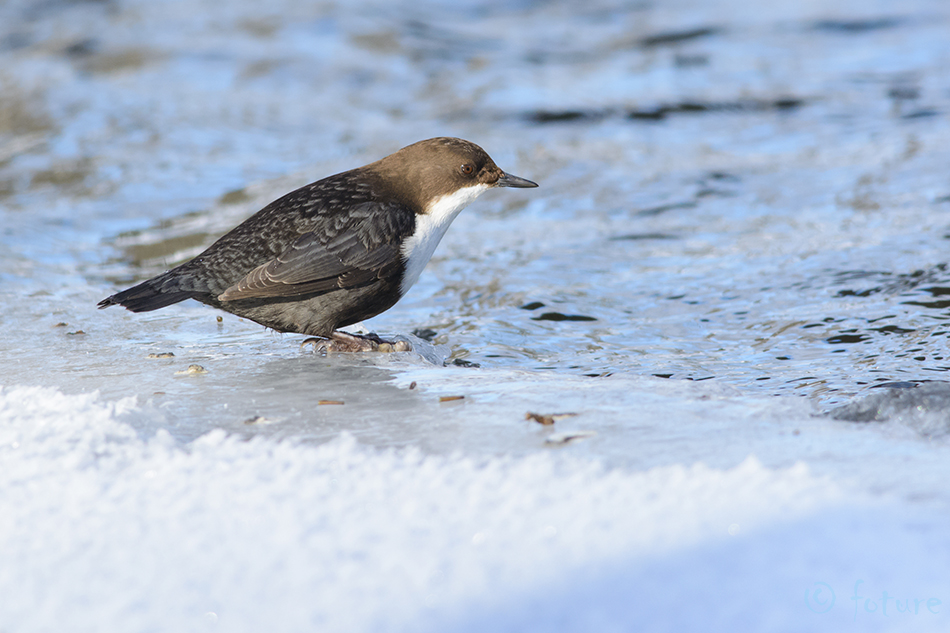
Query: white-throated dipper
x=337, y=251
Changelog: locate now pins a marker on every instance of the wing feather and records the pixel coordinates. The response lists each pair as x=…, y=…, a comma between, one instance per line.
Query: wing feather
x=358, y=254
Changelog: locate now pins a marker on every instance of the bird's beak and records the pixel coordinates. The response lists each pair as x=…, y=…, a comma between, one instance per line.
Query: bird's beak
x=507, y=180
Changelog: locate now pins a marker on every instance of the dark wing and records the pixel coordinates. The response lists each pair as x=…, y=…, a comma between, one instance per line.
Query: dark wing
x=362, y=249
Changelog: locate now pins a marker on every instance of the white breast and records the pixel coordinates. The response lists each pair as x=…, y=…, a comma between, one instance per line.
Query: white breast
x=430, y=227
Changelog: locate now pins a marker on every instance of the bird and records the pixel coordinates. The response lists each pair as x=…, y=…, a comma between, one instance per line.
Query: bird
x=337, y=251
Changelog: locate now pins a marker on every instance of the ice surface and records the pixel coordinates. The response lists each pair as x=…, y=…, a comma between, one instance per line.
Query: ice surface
x=740, y=234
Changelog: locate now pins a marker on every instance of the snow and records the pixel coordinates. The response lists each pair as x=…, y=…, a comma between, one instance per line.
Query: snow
x=111, y=531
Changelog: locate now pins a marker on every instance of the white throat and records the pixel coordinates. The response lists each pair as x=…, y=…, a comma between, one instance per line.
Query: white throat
x=430, y=227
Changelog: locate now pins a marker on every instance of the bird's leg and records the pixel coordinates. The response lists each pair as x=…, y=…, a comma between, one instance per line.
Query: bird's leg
x=345, y=342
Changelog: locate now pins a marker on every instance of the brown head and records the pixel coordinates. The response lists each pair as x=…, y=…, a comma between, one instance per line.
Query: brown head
x=429, y=170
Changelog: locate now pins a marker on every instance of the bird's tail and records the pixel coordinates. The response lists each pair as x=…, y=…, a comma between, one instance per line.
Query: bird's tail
x=149, y=295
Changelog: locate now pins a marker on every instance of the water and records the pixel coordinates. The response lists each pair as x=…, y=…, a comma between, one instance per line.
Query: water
x=741, y=225
x=737, y=233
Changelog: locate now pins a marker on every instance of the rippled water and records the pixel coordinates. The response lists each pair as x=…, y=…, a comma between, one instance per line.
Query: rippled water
x=757, y=198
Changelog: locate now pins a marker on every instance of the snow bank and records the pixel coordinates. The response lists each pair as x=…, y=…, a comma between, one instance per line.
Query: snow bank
x=105, y=531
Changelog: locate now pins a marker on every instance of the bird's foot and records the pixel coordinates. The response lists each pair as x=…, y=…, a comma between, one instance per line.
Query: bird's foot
x=345, y=342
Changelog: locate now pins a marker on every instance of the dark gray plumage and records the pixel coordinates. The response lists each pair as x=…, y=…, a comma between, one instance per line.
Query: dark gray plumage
x=336, y=251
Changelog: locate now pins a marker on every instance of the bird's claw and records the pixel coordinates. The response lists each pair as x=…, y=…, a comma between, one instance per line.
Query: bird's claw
x=344, y=342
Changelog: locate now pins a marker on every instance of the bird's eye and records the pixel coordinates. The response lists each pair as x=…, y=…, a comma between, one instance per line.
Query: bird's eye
x=467, y=169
